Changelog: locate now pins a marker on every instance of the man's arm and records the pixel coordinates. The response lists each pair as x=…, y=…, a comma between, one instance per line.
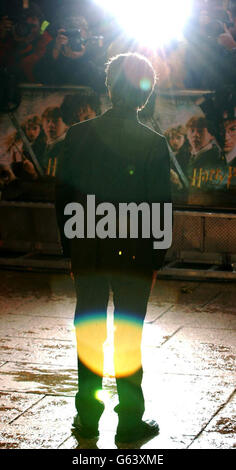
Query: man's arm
x=159, y=187
x=64, y=190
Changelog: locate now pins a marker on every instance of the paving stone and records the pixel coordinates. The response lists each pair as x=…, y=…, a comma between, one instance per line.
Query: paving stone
x=214, y=440
x=188, y=357
x=225, y=302
x=225, y=421
x=29, y=430
x=55, y=307
x=41, y=351
x=195, y=351
x=13, y=404
x=10, y=304
x=158, y=334
x=165, y=441
x=155, y=310
x=15, y=325
x=43, y=306
x=187, y=315
x=26, y=283
x=54, y=380
x=183, y=405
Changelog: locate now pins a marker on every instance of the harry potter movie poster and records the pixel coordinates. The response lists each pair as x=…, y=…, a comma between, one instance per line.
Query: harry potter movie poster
x=200, y=129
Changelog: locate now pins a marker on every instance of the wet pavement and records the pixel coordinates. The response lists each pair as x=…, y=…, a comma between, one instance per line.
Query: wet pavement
x=188, y=358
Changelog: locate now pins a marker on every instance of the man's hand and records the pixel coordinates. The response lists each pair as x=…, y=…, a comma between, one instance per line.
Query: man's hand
x=67, y=51
x=226, y=39
x=154, y=277
x=62, y=46
x=61, y=40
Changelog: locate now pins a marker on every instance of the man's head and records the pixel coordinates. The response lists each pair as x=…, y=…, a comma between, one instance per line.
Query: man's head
x=198, y=133
x=53, y=124
x=130, y=79
x=176, y=137
x=32, y=128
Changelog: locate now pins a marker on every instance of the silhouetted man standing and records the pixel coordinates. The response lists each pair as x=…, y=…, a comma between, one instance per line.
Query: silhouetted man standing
x=119, y=161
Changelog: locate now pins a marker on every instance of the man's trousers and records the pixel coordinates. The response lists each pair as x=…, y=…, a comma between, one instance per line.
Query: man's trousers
x=130, y=296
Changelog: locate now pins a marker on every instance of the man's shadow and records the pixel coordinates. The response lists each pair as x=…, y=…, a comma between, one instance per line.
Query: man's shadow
x=92, y=443
x=84, y=443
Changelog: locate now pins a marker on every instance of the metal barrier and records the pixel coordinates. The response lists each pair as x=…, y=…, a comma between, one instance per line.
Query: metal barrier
x=204, y=246
x=204, y=242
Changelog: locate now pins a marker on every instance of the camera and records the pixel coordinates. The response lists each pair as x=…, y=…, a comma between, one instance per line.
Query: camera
x=215, y=28
x=75, y=39
x=22, y=29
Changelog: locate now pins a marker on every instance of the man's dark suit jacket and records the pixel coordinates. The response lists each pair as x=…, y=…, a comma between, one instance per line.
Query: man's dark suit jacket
x=117, y=159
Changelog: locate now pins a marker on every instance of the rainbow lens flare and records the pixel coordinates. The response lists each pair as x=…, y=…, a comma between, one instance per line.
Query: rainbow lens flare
x=119, y=344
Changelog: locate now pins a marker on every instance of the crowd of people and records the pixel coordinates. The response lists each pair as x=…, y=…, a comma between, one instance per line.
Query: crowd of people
x=70, y=50
x=64, y=51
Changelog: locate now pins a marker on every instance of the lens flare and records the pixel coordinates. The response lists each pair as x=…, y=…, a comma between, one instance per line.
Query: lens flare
x=152, y=23
x=127, y=345
x=145, y=84
x=91, y=333
x=102, y=395
x=124, y=348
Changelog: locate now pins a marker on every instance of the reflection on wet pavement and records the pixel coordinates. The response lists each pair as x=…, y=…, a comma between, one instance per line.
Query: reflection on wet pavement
x=188, y=357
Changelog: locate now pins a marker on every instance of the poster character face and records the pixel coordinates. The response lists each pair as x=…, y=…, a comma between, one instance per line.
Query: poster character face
x=32, y=131
x=198, y=137
x=52, y=127
x=229, y=135
x=86, y=113
x=176, y=137
x=176, y=141
x=53, y=124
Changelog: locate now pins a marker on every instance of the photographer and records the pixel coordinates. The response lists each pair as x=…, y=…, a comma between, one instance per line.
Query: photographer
x=71, y=57
x=68, y=39
x=210, y=55
x=22, y=41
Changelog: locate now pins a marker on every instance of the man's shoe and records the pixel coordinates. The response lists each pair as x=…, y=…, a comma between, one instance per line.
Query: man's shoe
x=88, y=432
x=142, y=431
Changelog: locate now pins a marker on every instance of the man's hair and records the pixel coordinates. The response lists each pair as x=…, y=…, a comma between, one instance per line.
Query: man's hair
x=52, y=112
x=131, y=80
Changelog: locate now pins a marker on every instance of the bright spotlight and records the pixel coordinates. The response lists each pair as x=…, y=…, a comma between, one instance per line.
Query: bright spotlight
x=151, y=22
